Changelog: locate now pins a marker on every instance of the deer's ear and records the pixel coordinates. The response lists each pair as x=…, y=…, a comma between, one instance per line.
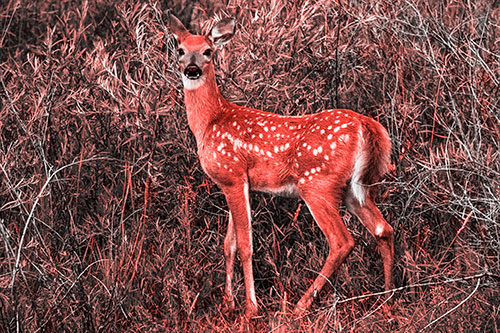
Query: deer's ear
x=177, y=28
x=222, y=32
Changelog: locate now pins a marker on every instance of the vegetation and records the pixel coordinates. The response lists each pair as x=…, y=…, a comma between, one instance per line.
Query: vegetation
x=107, y=222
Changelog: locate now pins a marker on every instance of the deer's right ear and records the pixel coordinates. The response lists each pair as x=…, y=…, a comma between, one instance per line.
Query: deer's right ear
x=222, y=32
x=177, y=28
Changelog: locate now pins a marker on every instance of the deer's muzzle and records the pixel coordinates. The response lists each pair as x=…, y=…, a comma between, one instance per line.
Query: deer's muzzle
x=192, y=72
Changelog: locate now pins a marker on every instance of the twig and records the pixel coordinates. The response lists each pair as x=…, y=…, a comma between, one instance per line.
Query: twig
x=375, y=310
x=16, y=5
x=337, y=78
x=392, y=291
x=454, y=308
x=453, y=240
x=416, y=285
x=32, y=211
x=71, y=287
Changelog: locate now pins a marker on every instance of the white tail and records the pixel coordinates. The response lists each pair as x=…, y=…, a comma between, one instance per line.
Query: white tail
x=324, y=158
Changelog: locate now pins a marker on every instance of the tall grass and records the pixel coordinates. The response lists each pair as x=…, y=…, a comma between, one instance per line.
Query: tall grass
x=107, y=221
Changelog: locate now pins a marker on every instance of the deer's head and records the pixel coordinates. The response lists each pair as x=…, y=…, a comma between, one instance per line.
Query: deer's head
x=195, y=51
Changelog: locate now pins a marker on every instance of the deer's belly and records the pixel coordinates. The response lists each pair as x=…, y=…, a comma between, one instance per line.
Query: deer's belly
x=286, y=190
x=272, y=180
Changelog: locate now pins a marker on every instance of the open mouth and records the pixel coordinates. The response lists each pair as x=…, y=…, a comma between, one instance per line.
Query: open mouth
x=192, y=72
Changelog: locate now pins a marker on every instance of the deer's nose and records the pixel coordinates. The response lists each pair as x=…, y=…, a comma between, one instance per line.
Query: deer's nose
x=192, y=72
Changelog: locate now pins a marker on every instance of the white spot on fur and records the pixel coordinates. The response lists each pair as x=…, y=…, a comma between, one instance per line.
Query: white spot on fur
x=237, y=144
x=344, y=138
x=379, y=230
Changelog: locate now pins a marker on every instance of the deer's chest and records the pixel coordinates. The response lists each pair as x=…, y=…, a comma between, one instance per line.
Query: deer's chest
x=221, y=160
x=228, y=158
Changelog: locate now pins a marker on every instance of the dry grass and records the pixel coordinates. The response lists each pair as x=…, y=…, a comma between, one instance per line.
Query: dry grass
x=107, y=222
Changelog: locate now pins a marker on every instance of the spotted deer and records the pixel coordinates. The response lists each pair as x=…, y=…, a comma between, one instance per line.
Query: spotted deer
x=324, y=158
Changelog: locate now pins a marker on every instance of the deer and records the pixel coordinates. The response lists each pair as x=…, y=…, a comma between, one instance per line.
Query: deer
x=327, y=158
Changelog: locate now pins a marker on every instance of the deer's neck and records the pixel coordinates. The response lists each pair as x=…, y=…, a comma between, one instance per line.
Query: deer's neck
x=203, y=105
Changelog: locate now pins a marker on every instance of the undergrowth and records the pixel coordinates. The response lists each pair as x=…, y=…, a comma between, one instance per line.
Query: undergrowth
x=107, y=222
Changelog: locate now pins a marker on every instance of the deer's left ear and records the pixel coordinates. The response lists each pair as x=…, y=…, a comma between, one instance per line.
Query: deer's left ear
x=222, y=32
x=177, y=28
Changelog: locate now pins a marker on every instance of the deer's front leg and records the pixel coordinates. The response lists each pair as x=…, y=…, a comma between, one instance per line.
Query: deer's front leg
x=237, y=198
x=229, y=254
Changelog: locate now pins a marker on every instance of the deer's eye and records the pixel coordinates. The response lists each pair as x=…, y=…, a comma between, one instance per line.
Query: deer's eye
x=181, y=52
x=207, y=52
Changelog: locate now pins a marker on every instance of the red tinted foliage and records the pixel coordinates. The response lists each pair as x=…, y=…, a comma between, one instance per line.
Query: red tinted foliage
x=107, y=221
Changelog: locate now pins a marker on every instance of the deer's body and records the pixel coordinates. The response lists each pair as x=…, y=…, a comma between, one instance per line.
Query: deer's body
x=324, y=158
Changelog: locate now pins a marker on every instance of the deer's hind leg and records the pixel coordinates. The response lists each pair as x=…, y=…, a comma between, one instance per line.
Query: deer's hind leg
x=325, y=211
x=370, y=216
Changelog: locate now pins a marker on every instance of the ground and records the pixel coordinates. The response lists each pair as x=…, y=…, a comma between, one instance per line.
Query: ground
x=108, y=223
